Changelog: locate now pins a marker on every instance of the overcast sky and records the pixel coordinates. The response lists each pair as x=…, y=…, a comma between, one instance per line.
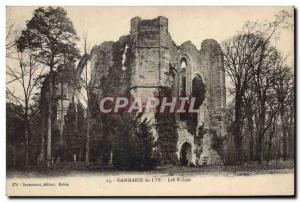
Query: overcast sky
x=185, y=23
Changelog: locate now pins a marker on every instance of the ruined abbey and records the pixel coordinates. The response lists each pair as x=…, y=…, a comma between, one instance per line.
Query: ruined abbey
x=148, y=63
x=154, y=65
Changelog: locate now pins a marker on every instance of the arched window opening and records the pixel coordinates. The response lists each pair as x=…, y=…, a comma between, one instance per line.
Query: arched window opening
x=183, y=86
x=198, y=90
x=183, y=64
x=185, y=154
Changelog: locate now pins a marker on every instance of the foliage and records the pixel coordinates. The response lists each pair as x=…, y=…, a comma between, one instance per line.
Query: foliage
x=166, y=126
x=50, y=35
x=133, y=147
x=168, y=136
x=14, y=124
x=73, y=132
x=14, y=133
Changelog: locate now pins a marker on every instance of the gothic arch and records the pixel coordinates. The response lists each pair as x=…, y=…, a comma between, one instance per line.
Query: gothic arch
x=185, y=153
x=198, y=89
x=185, y=68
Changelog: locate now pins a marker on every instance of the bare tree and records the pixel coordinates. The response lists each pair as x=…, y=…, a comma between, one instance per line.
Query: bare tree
x=11, y=36
x=24, y=74
x=248, y=60
x=237, y=53
x=249, y=100
x=263, y=79
x=283, y=89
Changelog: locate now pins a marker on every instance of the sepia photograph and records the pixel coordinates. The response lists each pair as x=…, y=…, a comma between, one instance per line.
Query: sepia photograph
x=150, y=101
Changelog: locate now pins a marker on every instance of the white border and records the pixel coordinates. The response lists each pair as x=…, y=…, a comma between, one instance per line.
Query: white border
x=5, y=3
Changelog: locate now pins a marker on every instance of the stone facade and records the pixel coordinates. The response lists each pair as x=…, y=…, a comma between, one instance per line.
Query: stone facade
x=155, y=66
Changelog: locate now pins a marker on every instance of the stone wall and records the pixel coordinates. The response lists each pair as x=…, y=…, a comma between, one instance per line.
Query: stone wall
x=152, y=55
x=149, y=40
x=212, y=62
x=208, y=155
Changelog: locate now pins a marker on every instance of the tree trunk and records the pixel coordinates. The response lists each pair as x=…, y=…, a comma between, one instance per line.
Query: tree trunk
x=284, y=142
x=49, y=132
x=14, y=155
x=269, y=149
x=61, y=138
x=26, y=145
x=278, y=147
x=238, y=145
x=261, y=131
x=42, y=152
x=61, y=124
x=284, y=134
x=251, y=132
x=270, y=143
x=260, y=139
x=237, y=133
x=251, y=146
x=26, y=134
x=291, y=133
x=87, y=146
x=290, y=143
x=260, y=149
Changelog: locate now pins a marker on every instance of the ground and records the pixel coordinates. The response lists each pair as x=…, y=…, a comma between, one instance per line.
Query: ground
x=71, y=169
x=275, y=178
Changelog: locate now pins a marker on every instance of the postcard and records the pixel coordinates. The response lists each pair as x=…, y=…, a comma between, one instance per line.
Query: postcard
x=150, y=101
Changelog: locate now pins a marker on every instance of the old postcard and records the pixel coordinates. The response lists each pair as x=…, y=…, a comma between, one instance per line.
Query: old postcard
x=150, y=101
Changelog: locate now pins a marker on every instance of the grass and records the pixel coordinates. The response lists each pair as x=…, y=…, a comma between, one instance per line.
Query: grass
x=79, y=168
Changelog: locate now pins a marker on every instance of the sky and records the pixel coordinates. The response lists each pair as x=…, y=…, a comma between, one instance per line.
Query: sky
x=185, y=23
x=193, y=24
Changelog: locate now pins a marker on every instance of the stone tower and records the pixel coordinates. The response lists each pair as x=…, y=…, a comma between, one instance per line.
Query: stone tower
x=159, y=67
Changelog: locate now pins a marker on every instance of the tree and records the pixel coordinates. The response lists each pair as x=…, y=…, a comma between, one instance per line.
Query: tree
x=87, y=84
x=50, y=35
x=133, y=145
x=265, y=70
x=263, y=79
x=237, y=53
x=249, y=101
x=25, y=74
x=14, y=133
x=246, y=58
x=73, y=132
x=283, y=92
x=11, y=35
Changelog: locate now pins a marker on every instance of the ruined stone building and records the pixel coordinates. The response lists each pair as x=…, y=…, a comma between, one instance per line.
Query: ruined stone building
x=148, y=63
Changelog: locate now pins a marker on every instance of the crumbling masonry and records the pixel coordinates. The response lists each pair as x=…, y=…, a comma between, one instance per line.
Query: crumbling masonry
x=154, y=65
